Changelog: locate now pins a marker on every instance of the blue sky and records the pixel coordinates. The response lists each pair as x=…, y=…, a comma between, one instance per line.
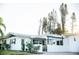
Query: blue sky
x=24, y=17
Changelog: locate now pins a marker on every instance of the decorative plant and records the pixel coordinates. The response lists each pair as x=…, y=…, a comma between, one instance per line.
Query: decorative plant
x=31, y=48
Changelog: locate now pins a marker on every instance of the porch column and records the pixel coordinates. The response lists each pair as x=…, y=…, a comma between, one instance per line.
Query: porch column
x=1, y=45
x=46, y=43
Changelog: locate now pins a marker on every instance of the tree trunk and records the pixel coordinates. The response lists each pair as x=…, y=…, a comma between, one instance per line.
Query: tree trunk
x=63, y=24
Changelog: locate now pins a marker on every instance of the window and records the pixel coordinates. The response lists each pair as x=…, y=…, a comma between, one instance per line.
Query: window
x=50, y=41
x=43, y=42
x=57, y=42
x=60, y=42
x=74, y=39
x=37, y=41
x=13, y=41
x=40, y=42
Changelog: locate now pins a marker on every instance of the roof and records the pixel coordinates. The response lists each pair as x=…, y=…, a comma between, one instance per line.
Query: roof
x=48, y=36
x=38, y=36
x=33, y=36
x=18, y=35
x=4, y=37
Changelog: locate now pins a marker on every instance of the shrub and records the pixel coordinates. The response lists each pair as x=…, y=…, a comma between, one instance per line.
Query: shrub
x=31, y=48
x=7, y=46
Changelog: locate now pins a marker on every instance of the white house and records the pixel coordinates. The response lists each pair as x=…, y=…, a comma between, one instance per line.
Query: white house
x=16, y=40
x=47, y=43
x=64, y=44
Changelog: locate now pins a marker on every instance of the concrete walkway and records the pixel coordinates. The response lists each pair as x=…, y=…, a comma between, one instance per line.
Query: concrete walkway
x=60, y=53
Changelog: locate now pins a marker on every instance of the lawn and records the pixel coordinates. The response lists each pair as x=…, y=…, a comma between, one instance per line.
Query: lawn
x=12, y=52
x=9, y=52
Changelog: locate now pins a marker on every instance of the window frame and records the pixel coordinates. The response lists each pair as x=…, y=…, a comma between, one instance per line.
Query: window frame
x=13, y=41
x=60, y=42
x=37, y=41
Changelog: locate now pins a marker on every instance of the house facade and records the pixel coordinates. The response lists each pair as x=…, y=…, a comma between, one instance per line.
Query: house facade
x=47, y=43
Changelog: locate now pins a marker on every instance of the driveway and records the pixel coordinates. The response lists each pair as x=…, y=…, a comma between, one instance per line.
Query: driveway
x=60, y=53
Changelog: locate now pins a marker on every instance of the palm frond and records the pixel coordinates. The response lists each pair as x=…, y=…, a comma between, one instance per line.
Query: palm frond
x=1, y=32
x=1, y=24
x=1, y=20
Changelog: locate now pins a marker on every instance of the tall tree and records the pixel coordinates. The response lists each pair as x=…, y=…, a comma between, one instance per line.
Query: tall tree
x=64, y=12
x=49, y=22
x=39, y=31
x=52, y=17
x=58, y=29
x=2, y=25
x=73, y=17
x=1, y=32
x=44, y=25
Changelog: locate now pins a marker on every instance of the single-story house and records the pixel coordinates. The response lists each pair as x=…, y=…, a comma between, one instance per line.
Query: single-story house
x=47, y=43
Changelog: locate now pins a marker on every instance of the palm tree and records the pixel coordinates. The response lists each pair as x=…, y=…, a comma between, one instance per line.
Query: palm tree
x=39, y=31
x=44, y=25
x=52, y=16
x=2, y=25
x=1, y=32
x=64, y=12
x=50, y=21
x=73, y=17
x=58, y=29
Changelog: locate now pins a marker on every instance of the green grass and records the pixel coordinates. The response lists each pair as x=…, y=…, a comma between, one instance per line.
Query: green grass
x=9, y=52
x=13, y=52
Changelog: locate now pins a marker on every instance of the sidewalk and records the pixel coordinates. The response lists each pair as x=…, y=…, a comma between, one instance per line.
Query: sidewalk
x=60, y=53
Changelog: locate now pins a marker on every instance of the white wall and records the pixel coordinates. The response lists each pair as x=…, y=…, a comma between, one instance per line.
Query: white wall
x=17, y=45
x=69, y=45
x=74, y=45
x=58, y=48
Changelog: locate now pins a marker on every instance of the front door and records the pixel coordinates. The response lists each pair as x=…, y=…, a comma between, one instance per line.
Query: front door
x=44, y=45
